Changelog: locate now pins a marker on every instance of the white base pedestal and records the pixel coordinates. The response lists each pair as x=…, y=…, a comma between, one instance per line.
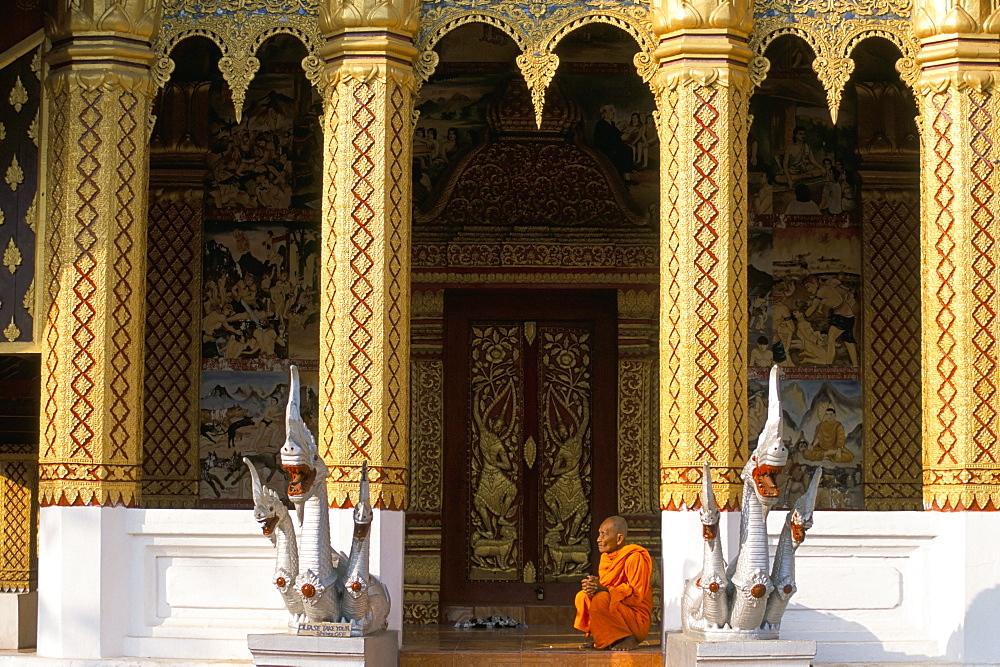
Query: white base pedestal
x=686, y=652
x=18, y=620
x=381, y=648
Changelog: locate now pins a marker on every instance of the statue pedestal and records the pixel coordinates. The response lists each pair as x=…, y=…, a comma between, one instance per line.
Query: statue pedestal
x=381, y=648
x=686, y=652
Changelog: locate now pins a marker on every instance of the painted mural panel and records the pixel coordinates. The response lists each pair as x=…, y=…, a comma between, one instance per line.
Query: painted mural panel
x=243, y=415
x=260, y=308
x=804, y=277
x=272, y=157
x=260, y=315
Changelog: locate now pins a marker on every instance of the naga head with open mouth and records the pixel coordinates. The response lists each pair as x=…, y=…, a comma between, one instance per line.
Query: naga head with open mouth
x=770, y=456
x=299, y=455
x=801, y=516
x=267, y=506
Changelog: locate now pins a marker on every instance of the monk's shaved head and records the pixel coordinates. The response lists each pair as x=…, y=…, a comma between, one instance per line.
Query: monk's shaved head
x=620, y=524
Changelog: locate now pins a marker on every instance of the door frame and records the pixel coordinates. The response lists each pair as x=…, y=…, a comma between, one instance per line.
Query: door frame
x=463, y=306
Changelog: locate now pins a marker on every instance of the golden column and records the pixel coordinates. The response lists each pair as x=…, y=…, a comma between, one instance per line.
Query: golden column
x=99, y=90
x=959, y=111
x=703, y=93
x=368, y=89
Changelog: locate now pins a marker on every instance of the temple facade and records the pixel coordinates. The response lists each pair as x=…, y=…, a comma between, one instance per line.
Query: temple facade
x=533, y=262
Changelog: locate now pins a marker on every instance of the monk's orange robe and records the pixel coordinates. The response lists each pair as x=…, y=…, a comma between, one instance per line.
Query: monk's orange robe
x=626, y=607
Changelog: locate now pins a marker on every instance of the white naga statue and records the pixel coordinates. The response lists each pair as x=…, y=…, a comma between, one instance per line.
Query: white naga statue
x=318, y=584
x=747, y=599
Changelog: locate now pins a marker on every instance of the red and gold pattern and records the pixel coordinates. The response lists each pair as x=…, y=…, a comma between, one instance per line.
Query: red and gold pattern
x=364, y=374
x=704, y=105
x=959, y=105
x=91, y=451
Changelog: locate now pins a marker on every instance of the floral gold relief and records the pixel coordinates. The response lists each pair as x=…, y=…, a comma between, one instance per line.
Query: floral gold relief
x=18, y=95
x=11, y=256
x=14, y=175
x=11, y=332
x=239, y=28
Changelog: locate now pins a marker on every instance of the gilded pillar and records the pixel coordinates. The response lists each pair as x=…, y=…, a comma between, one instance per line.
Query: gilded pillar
x=368, y=89
x=959, y=110
x=99, y=89
x=703, y=92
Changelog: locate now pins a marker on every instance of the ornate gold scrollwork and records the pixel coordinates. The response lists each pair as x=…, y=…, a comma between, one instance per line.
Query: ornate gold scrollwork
x=238, y=28
x=832, y=36
x=538, y=70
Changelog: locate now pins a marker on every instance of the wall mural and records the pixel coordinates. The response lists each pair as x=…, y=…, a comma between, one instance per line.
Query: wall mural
x=260, y=308
x=804, y=276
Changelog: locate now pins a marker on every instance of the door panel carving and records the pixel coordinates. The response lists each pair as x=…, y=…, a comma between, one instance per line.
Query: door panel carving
x=525, y=382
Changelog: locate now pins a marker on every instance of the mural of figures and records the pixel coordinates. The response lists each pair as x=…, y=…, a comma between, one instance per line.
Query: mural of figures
x=260, y=294
x=822, y=426
x=804, y=276
x=243, y=414
x=272, y=158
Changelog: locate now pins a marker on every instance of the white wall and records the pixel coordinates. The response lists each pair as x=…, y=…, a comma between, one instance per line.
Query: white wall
x=185, y=584
x=874, y=587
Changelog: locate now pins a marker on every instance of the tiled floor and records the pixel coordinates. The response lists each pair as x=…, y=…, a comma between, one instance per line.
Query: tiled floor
x=540, y=645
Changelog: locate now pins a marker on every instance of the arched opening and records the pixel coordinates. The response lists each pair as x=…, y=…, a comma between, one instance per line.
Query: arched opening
x=834, y=276
x=805, y=275
x=233, y=259
x=534, y=293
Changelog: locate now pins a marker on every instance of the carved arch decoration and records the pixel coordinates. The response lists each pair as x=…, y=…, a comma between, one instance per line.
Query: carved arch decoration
x=536, y=28
x=238, y=28
x=832, y=29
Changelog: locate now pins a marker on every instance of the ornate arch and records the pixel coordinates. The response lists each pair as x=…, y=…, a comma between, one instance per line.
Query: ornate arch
x=239, y=35
x=832, y=37
x=536, y=29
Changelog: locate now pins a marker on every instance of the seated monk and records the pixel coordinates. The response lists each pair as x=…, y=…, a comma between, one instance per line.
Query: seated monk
x=614, y=608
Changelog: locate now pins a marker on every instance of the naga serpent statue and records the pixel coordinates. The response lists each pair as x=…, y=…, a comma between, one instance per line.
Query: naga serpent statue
x=746, y=600
x=318, y=583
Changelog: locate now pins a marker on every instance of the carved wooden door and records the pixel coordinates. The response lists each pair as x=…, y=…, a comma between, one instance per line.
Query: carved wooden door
x=530, y=442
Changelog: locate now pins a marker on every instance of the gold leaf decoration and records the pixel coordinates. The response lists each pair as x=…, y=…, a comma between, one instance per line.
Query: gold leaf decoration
x=529, y=573
x=29, y=299
x=11, y=257
x=3, y=131
x=31, y=215
x=530, y=449
x=3, y=218
x=36, y=63
x=15, y=175
x=33, y=130
x=529, y=331
x=11, y=332
x=18, y=95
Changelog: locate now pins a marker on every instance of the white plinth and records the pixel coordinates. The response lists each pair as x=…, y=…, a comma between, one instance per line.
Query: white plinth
x=381, y=648
x=18, y=620
x=686, y=652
